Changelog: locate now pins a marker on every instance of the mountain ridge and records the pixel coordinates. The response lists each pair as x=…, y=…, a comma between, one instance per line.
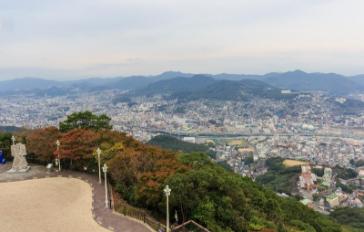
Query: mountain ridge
x=206, y=87
x=332, y=83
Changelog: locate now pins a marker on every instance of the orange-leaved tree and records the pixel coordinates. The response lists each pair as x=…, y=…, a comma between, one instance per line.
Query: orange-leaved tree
x=78, y=146
x=41, y=143
x=140, y=171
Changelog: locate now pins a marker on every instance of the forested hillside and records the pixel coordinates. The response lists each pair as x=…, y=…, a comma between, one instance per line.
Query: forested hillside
x=172, y=143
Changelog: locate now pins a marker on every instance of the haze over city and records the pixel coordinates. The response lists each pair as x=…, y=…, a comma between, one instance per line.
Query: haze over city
x=103, y=38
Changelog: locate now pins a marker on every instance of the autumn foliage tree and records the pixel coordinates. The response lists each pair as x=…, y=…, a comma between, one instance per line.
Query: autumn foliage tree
x=42, y=143
x=79, y=145
x=140, y=170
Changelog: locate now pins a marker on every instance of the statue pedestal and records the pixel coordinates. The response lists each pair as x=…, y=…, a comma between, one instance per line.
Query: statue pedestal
x=24, y=169
x=13, y=170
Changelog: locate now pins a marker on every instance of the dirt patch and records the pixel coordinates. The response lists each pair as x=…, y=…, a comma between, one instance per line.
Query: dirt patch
x=293, y=163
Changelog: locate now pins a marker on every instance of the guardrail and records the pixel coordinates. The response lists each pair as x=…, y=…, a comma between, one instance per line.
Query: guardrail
x=124, y=208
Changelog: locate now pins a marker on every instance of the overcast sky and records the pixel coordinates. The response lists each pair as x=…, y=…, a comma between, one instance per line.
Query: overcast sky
x=87, y=38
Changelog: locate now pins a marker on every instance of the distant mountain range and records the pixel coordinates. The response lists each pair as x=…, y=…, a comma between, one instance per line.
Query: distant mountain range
x=204, y=87
x=327, y=82
x=10, y=129
x=178, y=83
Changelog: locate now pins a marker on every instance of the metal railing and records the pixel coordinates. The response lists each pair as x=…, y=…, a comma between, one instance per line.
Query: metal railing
x=124, y=208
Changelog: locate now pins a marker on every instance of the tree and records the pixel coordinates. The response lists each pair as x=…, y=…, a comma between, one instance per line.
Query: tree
x=353, y=217
x=173, y=143
x=140, y=171
x=79, y=145
x=209, y=194
x=281, y=228
x=345, y=173
x=41, y=143
x=5, y=143
x=224, y=201
x=85, y=120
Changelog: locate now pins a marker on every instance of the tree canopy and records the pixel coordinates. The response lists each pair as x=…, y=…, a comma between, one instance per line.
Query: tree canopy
x=42, y=142
x=5, y=143
x=278, y=177
x=172, y=143
x=353, y=217
x=224, y=201
x=85, y=120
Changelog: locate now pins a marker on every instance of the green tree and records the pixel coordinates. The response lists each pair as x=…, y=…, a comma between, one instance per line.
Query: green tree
x=224, y=201
x=353, y=217
x=209, y=194
x=5, y=143
x=173, y=143
x=85, y=120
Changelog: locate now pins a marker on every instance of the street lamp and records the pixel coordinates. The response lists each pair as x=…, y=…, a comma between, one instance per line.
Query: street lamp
x=104, y=169
x=98, y=151
x=58, y=155
x=167, y=191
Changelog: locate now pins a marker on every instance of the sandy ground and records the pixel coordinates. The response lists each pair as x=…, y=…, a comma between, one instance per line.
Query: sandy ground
x=56, y=204
x=292, y=163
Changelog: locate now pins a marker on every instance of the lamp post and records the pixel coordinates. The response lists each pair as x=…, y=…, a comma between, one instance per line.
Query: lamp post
x=98, y=151
x=13, y=139
x=104, y=169
x=58, y=155
x=167, y=191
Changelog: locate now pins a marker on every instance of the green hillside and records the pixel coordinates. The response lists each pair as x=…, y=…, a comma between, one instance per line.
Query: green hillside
x=202, y=87
x=279, y=178
x=172, y=143
x=236, y=90
x=224, y=201
x=352, y=217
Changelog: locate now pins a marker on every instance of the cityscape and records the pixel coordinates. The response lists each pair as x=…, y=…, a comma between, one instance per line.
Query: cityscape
x=313, y=127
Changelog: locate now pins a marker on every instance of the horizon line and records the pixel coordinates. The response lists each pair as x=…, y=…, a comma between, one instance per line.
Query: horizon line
x=173, y=71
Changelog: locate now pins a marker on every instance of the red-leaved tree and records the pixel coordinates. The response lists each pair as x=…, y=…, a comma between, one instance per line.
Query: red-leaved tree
x=41, y=143
x=78, y=146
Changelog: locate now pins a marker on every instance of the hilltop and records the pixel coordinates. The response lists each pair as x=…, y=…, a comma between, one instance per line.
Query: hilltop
x=203, y=87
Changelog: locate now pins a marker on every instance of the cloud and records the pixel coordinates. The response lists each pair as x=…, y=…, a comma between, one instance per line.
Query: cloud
x=112, y=37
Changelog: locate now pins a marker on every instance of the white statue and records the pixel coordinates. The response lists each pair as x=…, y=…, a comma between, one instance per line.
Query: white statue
x=20, y=164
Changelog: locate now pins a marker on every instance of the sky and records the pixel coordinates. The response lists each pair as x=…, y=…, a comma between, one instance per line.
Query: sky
x=72, y=39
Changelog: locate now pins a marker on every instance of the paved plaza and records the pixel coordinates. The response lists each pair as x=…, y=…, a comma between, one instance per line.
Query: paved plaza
x=48, y=204
x=38, y=201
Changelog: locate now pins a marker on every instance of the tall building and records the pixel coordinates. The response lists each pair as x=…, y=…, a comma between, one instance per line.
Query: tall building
x=307, y=179
x=327, y=177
